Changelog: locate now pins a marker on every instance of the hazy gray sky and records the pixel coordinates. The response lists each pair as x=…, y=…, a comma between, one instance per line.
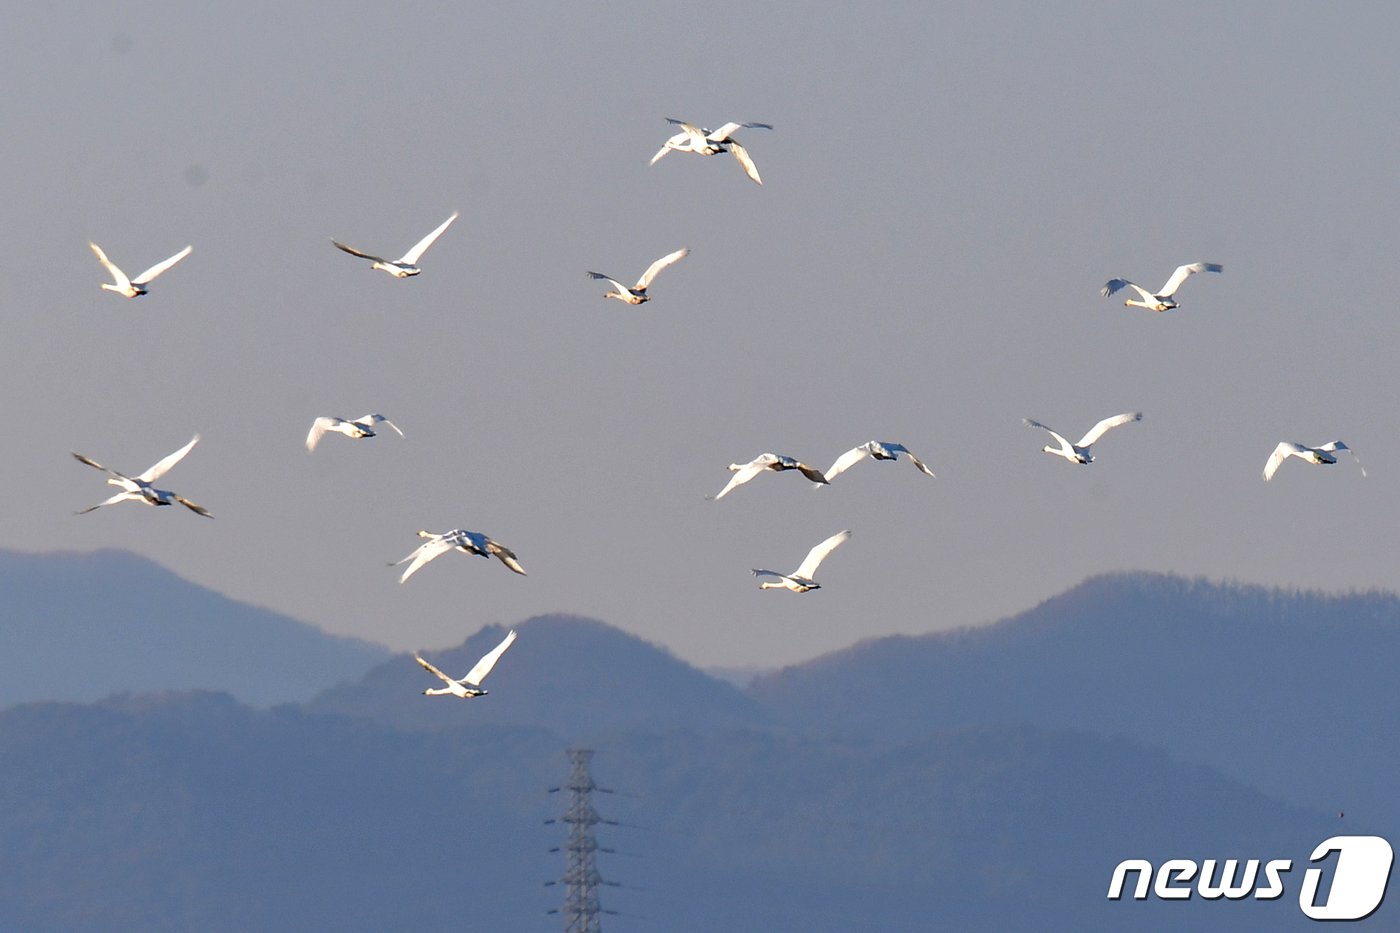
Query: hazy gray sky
x=946, y=188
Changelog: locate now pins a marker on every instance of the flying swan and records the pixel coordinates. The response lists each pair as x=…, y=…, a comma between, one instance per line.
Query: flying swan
x=743, y=472
x=800, y=580
x=706, y=142
x=468, y=542
x=880, y=450
x=407, y=264
x=1163, y=300
x=1079, y=453
x=638, y=293
x=362, y=426
x=132, y=288
x=1325, y=454
x=469, y=686
x=139, y=489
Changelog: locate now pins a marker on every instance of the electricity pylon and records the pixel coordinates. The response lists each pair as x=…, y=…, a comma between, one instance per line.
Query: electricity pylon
x=582, y=911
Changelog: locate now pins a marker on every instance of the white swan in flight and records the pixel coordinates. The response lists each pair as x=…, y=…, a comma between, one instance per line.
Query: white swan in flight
x=743, y=472
x=1163, y=300
x=132, y=288
x=638, y=293
x=880, y=450
x=706, y=142
x=458, y=539
x=1325, y=454
x=139, y=489
x=469, y=686
x=800, y=580
x=407, y=264
x=362, y=426
x=1079, y=453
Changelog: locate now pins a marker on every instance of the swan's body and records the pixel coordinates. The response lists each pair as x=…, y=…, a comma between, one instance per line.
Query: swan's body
x=1079, y=453
x=800, y=580
x=469, y=686
x=362, y=426
x=407, y=264
x=879, y=450
x=638, y=293
x=1163, y=300
x=706, y=142
x=458, y=539
x=132, y=288
x=139, y=489
x=743, y=472
x=1325, y=454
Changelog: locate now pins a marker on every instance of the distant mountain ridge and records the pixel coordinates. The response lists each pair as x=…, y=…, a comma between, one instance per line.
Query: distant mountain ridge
x=80, y=626
x=574, y=675
x=1291, y=692
x=197, y=812
x=981, y=780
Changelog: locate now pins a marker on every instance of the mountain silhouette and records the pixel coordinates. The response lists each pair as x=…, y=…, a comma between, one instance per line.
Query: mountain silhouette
x=981, y=780
x=79, y=626
x=575, y=676
x=188, y=810
x=1286, y=691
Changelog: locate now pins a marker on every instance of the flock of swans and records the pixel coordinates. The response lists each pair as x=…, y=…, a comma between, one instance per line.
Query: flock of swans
x=694, y=140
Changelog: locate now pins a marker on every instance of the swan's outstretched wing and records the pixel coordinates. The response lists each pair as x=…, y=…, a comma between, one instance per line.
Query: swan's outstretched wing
x=375, y=418
x=1064, y=443
x=483, y=667
x=1335, y=446
x=197, y=509
x=160, y=267
x=741, y=476
x=119, y=497
x=123, y=283
x=745, y=160
x=722, y=134
x=354, y=252
x=645, y=281
x=923, y=467
x=1098, y=430
x=811, y=472
x=1183, y=272
x=319, y=427
x=900, y=448
x=433, y=670
x=681, y=142
x=411, y=257
x=1282, y=452
x=694, y=135
x=424, y=553
x=159, y=469
x=847, y=460
x=1113, y=285
x=505, y=555
x=621, y=289
x=93, y=463
x=818, y=554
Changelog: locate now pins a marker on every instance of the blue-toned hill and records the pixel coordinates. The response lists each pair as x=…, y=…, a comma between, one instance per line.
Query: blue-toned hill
x=80, y=626
x=1292, y=692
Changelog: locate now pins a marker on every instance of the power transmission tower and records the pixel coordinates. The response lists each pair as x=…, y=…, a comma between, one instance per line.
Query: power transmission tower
x=582, y=911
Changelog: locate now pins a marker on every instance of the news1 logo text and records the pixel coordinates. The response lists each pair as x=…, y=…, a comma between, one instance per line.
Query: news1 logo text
x=1357, y=869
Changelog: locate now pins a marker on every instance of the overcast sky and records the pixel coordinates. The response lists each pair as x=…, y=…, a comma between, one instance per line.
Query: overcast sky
x=947, y=186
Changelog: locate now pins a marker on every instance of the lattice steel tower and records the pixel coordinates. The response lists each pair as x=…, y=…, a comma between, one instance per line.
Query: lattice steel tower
x=582, y=911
